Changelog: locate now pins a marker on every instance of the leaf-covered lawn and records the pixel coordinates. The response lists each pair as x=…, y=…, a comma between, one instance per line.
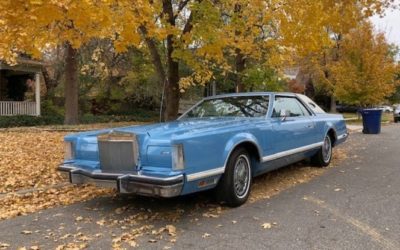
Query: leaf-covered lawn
x=29, y=156
x=29, y=180
x=29, y=159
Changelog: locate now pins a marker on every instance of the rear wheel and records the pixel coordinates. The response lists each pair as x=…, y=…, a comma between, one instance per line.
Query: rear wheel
x=396, y=119
x=234, y=186
x=324, y=155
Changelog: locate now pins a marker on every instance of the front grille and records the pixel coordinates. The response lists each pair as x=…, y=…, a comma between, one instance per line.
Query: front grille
x=118, y=152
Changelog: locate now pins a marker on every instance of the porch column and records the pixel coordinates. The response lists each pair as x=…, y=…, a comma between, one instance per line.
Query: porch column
x=37, y=93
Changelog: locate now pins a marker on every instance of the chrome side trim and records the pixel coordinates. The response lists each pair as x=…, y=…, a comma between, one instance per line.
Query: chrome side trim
x=205, y=174
x=291, y=151
x=342, y=136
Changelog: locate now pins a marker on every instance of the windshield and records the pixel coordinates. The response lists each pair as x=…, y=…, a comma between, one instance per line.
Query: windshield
x=234, y=106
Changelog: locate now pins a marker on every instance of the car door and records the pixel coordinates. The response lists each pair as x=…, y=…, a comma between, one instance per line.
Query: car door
x=293, y=132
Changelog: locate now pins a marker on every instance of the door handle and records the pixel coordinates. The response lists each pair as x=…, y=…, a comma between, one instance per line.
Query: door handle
x=309, y=126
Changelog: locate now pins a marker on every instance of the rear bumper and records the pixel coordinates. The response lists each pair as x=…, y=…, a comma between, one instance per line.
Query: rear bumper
x=136, y=183
x=342, y=138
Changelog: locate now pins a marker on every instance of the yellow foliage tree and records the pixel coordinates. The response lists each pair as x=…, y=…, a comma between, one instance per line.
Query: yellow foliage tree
x=365, y=73
x=203, y=34
x=34, y=25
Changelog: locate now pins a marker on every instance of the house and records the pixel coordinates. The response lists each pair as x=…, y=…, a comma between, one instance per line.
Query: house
x=20, y=87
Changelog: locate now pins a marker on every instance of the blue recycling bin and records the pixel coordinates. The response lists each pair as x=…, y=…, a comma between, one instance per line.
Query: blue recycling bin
x=371, y=120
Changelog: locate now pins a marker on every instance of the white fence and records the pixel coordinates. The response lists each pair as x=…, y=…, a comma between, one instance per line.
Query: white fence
x=17, y=108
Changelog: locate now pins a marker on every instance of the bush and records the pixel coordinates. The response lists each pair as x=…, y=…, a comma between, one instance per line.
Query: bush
x=28, y=121
x=57, y=119
x=50, y=109
x=139, y=116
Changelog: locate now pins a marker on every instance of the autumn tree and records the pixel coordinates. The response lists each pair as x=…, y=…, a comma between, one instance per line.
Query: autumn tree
x=365, y=73
x=32, y=26
x=203, y=34
x=339, y=18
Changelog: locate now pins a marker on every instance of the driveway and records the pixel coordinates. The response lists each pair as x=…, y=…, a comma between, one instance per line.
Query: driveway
x=355, y=205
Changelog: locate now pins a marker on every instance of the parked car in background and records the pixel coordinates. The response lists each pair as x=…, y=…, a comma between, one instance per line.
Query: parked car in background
x=396, y=114
x=386, y=109
x=222, y=142
x=343, y=108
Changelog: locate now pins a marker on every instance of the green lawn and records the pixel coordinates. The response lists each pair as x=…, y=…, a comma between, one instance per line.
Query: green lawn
x=353, y=118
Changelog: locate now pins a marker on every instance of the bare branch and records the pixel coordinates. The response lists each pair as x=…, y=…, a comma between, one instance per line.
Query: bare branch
x=181, y=6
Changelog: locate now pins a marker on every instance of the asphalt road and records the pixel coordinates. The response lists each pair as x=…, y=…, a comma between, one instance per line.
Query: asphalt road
x=355, y=205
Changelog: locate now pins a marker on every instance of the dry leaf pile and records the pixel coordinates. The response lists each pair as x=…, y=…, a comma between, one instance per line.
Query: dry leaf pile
x=136, y=222
x=29, y=159
x=273, y=183
x=28, y=162
x=14, y=204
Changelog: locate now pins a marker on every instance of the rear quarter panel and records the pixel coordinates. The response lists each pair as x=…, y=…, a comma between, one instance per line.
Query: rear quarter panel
x=325, y=122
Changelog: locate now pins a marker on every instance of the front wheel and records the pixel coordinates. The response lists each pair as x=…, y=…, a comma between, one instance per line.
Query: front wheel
x=324, y=155
x=234, y=186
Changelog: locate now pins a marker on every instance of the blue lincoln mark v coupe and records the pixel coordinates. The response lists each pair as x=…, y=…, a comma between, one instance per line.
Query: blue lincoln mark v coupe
x=222, y=142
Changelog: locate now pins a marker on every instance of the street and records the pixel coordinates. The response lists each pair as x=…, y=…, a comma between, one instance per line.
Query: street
x=354, y=205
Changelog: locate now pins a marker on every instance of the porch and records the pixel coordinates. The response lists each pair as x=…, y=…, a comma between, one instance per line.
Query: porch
x=20, y=88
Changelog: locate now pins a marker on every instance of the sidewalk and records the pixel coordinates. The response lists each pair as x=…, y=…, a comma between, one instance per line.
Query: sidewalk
x=354, y=128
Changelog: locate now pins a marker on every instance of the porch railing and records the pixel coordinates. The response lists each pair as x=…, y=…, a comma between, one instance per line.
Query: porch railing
x=17, y=108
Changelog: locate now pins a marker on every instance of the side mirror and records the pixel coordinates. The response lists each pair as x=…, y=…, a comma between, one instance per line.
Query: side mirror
x=284, y=114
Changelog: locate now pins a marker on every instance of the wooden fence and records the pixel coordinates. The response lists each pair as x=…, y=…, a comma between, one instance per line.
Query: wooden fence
x=17, y=108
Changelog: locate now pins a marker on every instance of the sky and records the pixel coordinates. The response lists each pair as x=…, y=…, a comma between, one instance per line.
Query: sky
x=389, y=24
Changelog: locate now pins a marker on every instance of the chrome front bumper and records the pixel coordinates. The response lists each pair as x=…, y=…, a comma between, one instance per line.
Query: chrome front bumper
x=126, y=183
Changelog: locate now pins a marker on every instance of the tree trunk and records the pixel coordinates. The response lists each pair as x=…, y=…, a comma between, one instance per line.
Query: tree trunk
x=333, y=104
x=172, y=84
x=239, y=59
x=71, y=86
x=50, y=82
x=240, y=66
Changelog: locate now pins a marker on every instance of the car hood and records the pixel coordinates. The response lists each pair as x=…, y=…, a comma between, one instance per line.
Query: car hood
x=187, y=127
x=174, y=130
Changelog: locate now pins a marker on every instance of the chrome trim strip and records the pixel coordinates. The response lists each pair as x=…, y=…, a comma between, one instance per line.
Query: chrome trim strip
x=116, y=176
x=342, y=136
x=291, y=151
x=205, y=174
x=152, y=178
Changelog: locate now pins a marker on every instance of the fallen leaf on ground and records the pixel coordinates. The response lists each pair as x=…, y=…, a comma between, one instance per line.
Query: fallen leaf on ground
x=270, y=184
x=4, y=245
x=266, y=225
x=171, y=230
x=206, y=235
x=79, y=218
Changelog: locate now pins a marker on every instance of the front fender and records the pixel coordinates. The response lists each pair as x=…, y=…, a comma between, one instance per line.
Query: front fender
x=238, y=139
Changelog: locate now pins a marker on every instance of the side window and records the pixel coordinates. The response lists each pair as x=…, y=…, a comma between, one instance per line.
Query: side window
x=304, y=109
x=290, y=104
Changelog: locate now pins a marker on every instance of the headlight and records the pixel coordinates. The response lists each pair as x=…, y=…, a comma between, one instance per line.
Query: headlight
x=178, y=161
x=69, y=151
